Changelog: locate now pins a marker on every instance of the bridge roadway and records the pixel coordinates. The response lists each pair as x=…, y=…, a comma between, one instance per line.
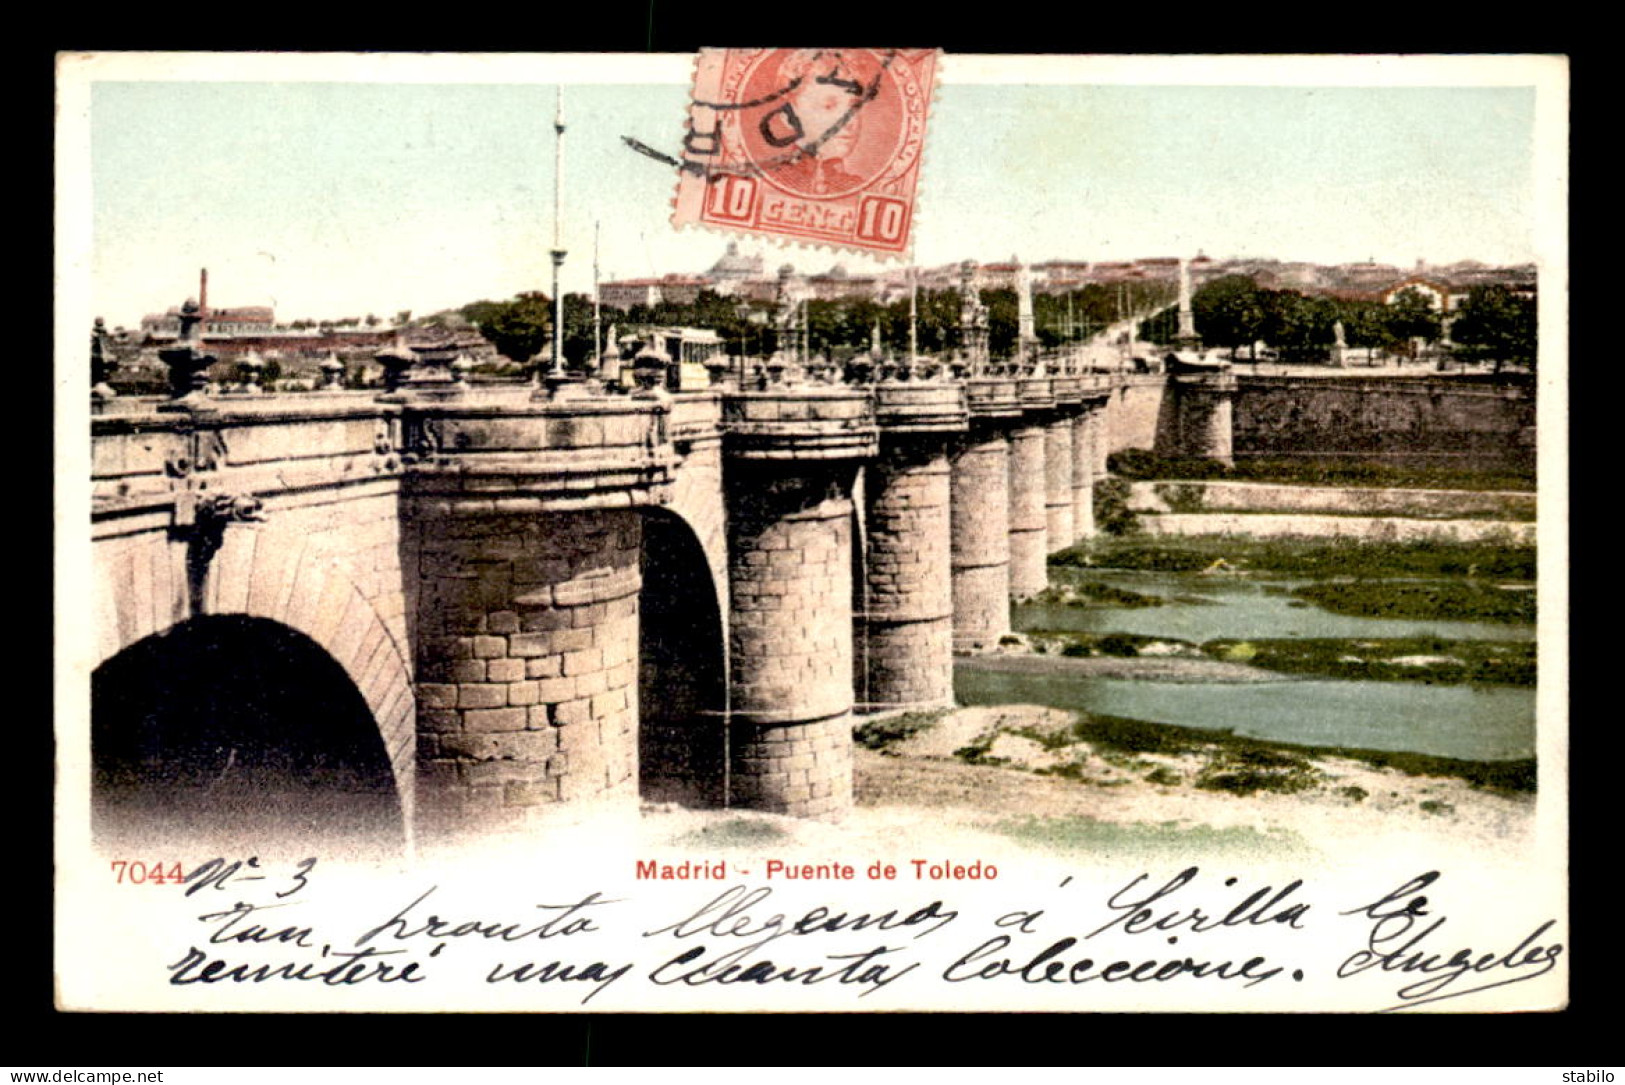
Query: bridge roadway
x=555, y=599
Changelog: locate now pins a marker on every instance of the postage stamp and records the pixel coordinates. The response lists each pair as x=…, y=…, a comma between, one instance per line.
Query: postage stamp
x=475, y=594
x=812, y=145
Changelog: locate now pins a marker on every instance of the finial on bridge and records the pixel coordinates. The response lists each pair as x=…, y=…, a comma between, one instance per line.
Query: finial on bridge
x=102, y=362
x=187, y=362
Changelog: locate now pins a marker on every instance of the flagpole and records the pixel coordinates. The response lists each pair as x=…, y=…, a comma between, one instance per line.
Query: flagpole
x=556, y=372
x=597, y=312
x=913, y=315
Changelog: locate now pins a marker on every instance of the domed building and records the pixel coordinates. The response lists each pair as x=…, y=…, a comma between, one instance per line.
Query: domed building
x=734, y=268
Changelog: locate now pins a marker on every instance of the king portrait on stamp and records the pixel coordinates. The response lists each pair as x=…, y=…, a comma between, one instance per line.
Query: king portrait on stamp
x=813, y=145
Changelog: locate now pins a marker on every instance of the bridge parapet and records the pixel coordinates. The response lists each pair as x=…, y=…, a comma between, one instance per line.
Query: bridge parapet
x=993, y=397
x=143, y=459
x=800, y=423
x=1068, y=391
x=1036, y=393
x=920, y=407
x=696, y=416
x=481, y=456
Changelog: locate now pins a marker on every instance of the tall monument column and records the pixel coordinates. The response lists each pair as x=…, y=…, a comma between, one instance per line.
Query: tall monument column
x=792, y=453
x=1026, y=328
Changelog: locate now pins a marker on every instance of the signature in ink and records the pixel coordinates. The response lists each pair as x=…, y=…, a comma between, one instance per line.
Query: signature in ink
x=1402, y=938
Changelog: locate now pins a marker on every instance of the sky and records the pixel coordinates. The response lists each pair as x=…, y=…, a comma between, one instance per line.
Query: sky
x=328, y=199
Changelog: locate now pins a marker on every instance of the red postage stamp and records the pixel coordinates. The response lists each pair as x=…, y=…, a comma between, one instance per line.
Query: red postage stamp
x=815, y=145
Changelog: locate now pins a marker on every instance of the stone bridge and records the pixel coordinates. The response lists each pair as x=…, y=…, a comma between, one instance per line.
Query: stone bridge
x=455, y=608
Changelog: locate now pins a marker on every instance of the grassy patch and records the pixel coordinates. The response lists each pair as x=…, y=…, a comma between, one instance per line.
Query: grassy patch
x=1163, y=776
x=735, y=832
x=1444, y=600
x=1410, y=659
x=1091, y=594
x=1112, y=513
x=1309, y=558
x=1087, y=645
x=1507, y=777
x=1249, y=769
x=1094, y=838
x=882, y=734
x=1243, y=766
x=1138, y=463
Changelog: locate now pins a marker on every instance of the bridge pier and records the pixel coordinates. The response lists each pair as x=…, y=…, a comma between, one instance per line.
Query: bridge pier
x=1029, y=523
x=905, y=629
x=1105, y=427
x=790, y=573
x=1204, y=414
x=979, y=515
x=522, y=565
x=791, y=463
x=1085, y=432
x=1058, y=495
x=527, y=664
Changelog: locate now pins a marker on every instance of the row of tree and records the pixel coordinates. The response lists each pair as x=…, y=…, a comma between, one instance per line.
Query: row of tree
x=521, y=328
x=1235, y=313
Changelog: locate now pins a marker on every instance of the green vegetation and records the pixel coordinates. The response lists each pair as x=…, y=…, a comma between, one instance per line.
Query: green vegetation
x=887, y=731
x=1142, y=464
x=1433, y=660
x=736, y=832
x=1308, y=558
x=1247, y=770
x=1237, y=313
x=839, y=328
x=1410, y=659
x=1088, y=594
x=1242, y=765
x=1091, y=837
x=1077, y=645
x=1496, y=324
x=1112, y=514
x=1445, y=600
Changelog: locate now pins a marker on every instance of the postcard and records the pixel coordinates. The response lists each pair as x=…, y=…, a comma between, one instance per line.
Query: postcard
x=811, y=529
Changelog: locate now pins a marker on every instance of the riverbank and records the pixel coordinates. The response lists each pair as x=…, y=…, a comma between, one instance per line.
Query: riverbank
x=1055, y=779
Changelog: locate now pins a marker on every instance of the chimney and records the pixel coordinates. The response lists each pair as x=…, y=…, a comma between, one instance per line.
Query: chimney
x=203, y=293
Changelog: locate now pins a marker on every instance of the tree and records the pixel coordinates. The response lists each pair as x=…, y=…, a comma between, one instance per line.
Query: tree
x=518, y=328
x=1299, y=327
x=1003, y=321
x=1229, y=312
x=1497, y=324
x=1411, y=316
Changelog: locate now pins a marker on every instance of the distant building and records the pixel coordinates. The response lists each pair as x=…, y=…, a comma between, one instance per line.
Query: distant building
x=250, y=320
x=1441, y=296
x=626, y=293
x=734, y=267
x=676, y=289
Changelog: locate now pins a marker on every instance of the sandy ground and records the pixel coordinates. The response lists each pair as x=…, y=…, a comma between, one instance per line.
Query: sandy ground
x=923, y=774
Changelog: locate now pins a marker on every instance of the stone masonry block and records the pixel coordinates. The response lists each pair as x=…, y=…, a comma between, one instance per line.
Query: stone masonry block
x=494, y=719
x=483, y=695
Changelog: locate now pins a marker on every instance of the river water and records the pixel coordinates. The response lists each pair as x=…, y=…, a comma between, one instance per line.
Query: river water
x=1471, y=722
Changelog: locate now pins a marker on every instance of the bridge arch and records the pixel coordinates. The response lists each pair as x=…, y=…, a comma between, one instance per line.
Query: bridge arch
x=682, y=668
x=264, y=590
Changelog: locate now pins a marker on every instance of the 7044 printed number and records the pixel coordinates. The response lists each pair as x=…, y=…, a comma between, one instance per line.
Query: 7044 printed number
x=128, y=872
